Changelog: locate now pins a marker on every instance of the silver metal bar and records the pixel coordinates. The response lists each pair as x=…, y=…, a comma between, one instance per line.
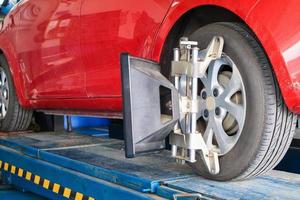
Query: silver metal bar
x=188, y=196
x=194, y=91
x=194, y=96
x=188, y=89
x=191, y=43
x=176, y=127
x=70, y=147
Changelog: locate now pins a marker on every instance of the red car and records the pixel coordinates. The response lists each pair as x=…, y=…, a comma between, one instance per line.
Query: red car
x=63, y=57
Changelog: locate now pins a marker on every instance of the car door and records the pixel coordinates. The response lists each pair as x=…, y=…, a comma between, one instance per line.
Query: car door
x=109, y=27
x=49, y=49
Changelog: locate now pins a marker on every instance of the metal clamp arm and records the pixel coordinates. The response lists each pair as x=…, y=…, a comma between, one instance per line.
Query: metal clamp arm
x=187, y=64
x=198, y=69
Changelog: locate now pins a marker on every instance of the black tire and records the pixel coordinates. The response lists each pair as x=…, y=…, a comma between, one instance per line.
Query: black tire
x=16, y=118
x=269, y=125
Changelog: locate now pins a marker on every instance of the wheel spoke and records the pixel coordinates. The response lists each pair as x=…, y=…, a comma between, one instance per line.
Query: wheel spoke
x=1, y=113
x=213, y=72
x=5, y=86
x=233, y=86
x=3, y=110
x=3, y=77
x=5, y=102
x=224, y=141
x=205, y=81
x=208, y=135
x=1, y=82
x=236, y=110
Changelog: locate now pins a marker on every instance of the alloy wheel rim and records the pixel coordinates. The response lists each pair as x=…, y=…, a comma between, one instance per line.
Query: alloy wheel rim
x=222, y=105
x=4, y=93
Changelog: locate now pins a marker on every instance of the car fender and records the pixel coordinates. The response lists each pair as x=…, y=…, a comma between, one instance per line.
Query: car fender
x=260, y=17
x=15, y=69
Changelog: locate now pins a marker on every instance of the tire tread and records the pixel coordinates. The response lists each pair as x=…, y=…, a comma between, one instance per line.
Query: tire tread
x=279, y=133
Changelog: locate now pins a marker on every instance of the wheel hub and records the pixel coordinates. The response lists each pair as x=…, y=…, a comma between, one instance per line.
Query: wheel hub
x=229, y=123
x=210, y=103
x=223, y=96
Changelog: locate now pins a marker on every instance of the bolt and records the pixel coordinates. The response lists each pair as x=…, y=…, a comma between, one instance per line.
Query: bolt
x=206, y=113
x=217, y=111
x=216, y=92
x=204, y=95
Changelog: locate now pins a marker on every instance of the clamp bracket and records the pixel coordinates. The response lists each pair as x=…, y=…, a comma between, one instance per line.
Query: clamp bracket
x=189, y=64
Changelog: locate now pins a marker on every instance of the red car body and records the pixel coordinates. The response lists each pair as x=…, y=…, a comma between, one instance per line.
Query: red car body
x=65, y=54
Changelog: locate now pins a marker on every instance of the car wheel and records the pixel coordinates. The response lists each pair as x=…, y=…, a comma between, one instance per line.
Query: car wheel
x=244, y=117
x=12, y=116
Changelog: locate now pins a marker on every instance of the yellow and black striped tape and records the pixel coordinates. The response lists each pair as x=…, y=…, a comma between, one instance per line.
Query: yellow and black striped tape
x=43, y=182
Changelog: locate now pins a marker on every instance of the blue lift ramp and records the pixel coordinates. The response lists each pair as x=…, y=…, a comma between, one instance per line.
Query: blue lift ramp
x=73, y=166
x=10, y=193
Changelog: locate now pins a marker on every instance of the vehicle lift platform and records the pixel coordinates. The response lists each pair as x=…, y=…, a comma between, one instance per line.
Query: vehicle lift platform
x=61, y=165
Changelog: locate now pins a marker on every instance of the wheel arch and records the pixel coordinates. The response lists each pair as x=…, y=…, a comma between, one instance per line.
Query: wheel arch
x=17, y=77
x=190, y=22
x=187, y=16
